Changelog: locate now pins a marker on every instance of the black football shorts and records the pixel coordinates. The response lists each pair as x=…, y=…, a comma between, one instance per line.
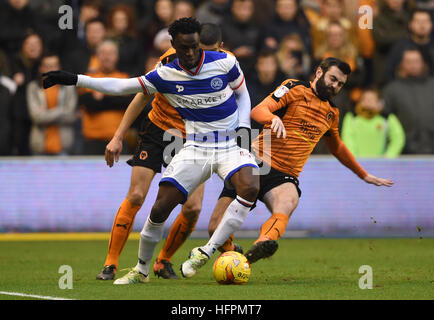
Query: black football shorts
x=267, y=182
x=150, y=147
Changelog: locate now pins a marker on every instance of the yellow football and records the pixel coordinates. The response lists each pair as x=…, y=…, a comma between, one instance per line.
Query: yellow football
x=231, y=267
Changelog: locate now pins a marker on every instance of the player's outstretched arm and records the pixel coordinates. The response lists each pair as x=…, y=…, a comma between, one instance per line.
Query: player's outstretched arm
x=113, y=86
x=114, y=147
x=344, y=155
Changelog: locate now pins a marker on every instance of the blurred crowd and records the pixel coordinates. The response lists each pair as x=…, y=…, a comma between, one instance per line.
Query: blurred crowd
x=387, y=106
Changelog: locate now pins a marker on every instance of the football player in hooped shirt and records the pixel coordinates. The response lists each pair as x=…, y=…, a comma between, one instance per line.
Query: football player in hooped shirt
x=295, y=117
x=209, y=92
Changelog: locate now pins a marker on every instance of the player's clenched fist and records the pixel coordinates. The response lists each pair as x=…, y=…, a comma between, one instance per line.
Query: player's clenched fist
x=112, y=151
x=58, y=77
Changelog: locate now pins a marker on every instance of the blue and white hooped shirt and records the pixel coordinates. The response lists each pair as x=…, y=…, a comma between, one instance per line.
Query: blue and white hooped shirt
x=204, y=97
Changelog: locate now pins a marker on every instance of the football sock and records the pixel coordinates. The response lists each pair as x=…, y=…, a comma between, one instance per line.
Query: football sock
x=228, y=245
x=231, y=221
x=121, y=229
x=149, y=237
x=179, y=231
x=273, y=228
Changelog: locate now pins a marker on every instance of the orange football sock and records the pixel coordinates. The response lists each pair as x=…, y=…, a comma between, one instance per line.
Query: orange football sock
x=178, y=233
x=273, y=228
x=121, y=229
x=228, y=245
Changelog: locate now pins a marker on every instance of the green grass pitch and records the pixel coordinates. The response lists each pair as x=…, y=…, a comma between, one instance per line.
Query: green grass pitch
x=300, y=269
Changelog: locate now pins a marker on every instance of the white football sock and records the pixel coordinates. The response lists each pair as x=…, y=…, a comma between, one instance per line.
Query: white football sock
x=149, y=237
x=233, y=218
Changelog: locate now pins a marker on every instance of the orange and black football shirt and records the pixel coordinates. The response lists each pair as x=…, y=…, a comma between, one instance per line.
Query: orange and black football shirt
x=306, y=118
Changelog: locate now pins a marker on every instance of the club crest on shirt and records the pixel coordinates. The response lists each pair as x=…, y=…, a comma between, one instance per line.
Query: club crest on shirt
x=281, y=91
x=216, y=83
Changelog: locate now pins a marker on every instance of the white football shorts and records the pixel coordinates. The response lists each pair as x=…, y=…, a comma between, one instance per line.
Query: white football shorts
x=193, y=165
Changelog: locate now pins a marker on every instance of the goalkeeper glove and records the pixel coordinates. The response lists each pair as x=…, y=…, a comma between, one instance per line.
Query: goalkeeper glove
x=59, y=77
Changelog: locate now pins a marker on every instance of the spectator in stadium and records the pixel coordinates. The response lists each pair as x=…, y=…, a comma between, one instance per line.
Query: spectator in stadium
x=411, y=97
x=369, y=134
x=47, y=14
x=240, y=34
x=390, y=26
x=52, y=112
x=121, y=28
x=83, y=58
x=183, y=9
x=333, y=11
x=102, y=113
x=420, y=28
x=294, y=61
x=162, y=41
x=265, y=12
x=89, y=10
x=336, y=44
x=265, y=80
x=162, y=18
x=289, y=18
x=213, y=11
x=16, y=20
x=24, y=68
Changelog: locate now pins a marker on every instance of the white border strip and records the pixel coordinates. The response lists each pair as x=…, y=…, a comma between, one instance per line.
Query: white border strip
x=32, y=296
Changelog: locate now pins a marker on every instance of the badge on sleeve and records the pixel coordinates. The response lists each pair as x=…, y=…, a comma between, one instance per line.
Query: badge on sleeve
x=281, y=91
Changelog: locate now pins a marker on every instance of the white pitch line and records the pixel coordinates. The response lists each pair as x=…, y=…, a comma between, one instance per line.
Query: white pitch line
x=32, y=296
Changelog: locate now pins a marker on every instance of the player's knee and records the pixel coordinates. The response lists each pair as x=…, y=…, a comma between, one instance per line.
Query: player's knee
x=191, y=209
x=290, y=205
x=136, y=197
x=249, y=192
x=159, y=212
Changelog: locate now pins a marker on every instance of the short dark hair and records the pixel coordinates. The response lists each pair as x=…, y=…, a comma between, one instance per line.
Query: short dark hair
x=327, y=63
x=210, y=34
x=184, y=26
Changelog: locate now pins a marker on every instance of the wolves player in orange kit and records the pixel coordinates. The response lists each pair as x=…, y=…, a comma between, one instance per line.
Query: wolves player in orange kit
x=295, y=117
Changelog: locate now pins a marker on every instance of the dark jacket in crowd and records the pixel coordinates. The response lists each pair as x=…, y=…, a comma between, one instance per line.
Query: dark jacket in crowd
x=14, y=25
x=412, y=101
x=389, y=27
x=19, y=112
x=237, y=34
x=278, y=29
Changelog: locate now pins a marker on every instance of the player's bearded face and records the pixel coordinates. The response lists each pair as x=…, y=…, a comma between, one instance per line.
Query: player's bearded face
x=324, y=90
